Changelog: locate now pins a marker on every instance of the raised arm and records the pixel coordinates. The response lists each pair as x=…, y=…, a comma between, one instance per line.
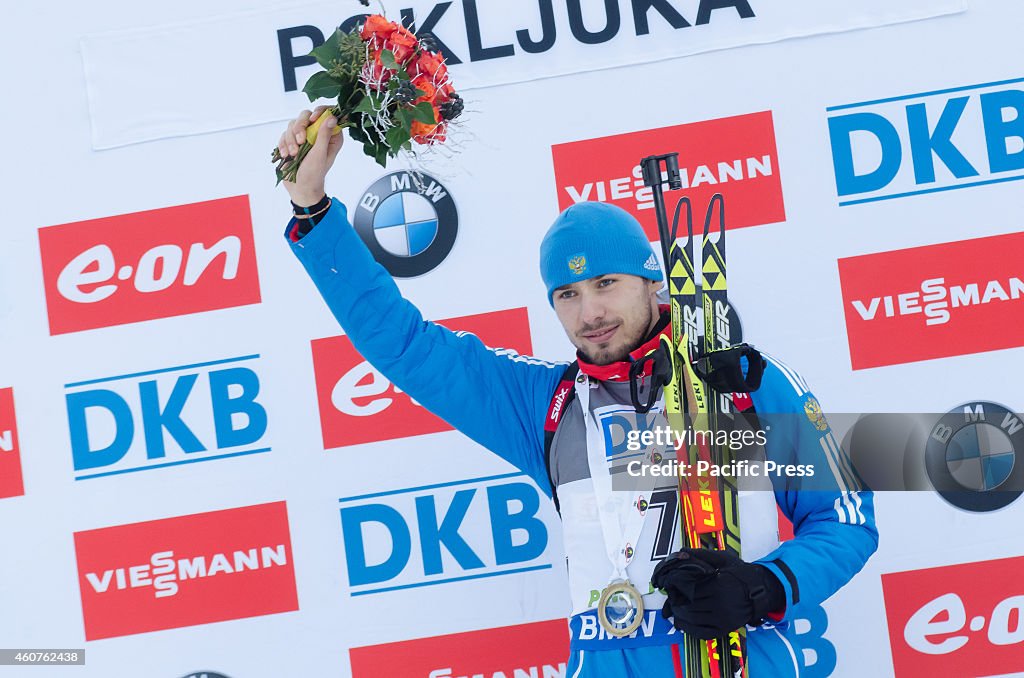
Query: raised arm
x=495, y=396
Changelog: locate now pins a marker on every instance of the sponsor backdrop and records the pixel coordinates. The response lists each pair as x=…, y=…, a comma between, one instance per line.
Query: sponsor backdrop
x=201, y=476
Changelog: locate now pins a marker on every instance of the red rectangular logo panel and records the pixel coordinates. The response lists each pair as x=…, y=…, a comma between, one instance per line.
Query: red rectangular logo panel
x=734, y=156
x=11, y=484
x=359, y=405
x=194, y=569
x=960, y=620
x=935, y=301
x=538, y=649
x=146, y=265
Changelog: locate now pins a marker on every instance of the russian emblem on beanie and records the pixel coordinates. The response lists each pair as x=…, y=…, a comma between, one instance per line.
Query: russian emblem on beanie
x=589, y=239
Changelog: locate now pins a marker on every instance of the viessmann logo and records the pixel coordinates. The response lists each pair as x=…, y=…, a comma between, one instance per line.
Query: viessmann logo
x=184, y=571
x=146, y=265
x=537, y=650
x=359, y=405
x=734, y=156
x=10, y=455
x=960, y=620
x=940, y=300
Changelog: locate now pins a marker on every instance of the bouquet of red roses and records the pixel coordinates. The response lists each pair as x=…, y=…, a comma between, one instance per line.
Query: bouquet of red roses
x=391, y=89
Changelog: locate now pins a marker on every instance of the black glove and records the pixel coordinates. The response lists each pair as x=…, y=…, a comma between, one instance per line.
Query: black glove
x=712, y=593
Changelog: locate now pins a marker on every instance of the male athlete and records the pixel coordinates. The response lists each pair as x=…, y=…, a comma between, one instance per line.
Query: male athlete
x=602, y=280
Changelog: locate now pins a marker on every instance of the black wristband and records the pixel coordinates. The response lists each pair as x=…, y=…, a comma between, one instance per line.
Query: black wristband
x=312, y=209
x=308, y=217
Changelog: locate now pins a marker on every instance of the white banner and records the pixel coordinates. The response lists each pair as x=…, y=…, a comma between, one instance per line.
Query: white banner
x=168, y=371
x=255, y=59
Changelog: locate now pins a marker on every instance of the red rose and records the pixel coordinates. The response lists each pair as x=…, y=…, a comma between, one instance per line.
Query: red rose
x=404, y=32
x=422, y=133
x=429, y=91
x=377, y=27
x=431, y=65
x=403, y=44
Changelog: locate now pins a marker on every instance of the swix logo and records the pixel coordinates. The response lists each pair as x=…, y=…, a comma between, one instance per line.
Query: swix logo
x=956, y=620
x=165, y=417
x=147, y=265
x=734, y=156
x=537, y=650
x=932, y=141
x=940, y=300
x=488, y=526
x=183, y=571
x=10, y=456
x=359, y=405
x=556, y=407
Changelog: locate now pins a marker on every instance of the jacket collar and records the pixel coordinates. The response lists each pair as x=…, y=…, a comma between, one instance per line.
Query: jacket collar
x=619, y=371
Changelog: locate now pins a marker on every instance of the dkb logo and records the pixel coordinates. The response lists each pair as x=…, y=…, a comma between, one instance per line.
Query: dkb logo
x=488, y=526
x=165, y=417
x=927, y=142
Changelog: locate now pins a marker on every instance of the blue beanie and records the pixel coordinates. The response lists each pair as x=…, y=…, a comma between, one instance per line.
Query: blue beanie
x=589, y=239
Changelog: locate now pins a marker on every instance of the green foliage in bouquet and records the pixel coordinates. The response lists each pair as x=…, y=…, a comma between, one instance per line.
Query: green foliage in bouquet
x=389, y=91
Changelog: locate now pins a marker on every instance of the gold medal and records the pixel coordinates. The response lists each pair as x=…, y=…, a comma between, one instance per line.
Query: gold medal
x=620, y=608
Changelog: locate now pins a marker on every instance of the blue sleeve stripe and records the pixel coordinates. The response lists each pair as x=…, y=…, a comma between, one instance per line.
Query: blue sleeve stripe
x=861, y=520
x=848, y=504
x=844, y=464
x=514, y=355
x=844, y=475
x=848, y=508
x=795, y=380
x=830, y=458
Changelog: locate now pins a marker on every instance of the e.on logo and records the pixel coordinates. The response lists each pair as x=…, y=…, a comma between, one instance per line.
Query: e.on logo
x=195, y=569
x=146, y=265
x=538, y=650
x=359, y=405
x=735, y=156
x=10, y=456
x=960, y=620
x=935, y=301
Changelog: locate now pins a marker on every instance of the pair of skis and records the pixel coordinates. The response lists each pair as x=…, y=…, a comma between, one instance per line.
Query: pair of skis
x=709, y=514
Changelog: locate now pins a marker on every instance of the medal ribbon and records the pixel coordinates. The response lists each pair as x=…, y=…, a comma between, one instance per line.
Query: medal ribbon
x=617, y=537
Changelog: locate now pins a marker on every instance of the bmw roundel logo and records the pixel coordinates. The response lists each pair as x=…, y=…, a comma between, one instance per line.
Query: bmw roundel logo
x=409, y=222
x=971, y=456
